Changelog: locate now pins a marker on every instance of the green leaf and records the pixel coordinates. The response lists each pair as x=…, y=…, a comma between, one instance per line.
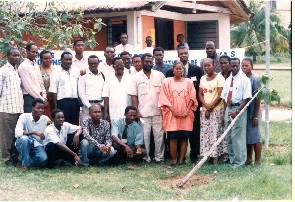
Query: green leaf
x=97, y=26
x=264, y=79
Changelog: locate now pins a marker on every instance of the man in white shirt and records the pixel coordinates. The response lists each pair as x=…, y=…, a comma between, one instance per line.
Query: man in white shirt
x=235, y=94
x=64, y=88
x=79, y=61
x=29, y=134
x=107, y=67
x=144, y=90
x=62, y=140
x=149, y=45
x=11, y=102
x=115, y=95
x=90, y=86
x=31, y=78
x=124, y=46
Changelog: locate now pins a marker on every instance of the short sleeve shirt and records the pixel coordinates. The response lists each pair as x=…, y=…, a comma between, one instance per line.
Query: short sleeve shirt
x=147, y=90
x=52, y=134
x=241, y=89
x=209, y=89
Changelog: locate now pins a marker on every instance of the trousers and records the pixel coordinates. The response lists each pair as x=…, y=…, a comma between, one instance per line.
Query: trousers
x=154, y=123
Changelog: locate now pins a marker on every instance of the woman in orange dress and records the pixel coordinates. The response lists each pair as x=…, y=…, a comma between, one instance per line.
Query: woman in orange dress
x=178, y=102
x=46, y=69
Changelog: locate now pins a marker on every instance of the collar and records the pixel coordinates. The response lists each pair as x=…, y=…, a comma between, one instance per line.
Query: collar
x=9, y=66
x=32, y=119
x=29, y=61
x=237, y=75
x=90, y=73
x=76, y=59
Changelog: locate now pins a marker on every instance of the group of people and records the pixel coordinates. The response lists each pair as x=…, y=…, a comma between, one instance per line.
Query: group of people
x=86, y=112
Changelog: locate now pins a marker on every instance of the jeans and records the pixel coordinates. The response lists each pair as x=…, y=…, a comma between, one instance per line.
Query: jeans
x=91, y=151
x=30, y=155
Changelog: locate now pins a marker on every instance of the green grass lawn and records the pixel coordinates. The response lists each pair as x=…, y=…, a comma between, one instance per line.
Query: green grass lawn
x=281, y=81
x=270, y=181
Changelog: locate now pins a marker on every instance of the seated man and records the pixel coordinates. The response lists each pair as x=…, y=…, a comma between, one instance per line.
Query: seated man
x=29, y=133
x=127, y=135
x=98, y=142
x=59, y=144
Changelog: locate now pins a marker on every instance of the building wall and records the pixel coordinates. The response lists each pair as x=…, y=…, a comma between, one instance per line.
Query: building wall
x=222, y=18
x=148, y=28
x=284, y=12
x=178, y=28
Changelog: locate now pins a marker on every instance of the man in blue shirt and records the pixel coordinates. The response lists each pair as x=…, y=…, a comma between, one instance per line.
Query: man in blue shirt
x=29, y=133
x=158, y=54
x=127, y=135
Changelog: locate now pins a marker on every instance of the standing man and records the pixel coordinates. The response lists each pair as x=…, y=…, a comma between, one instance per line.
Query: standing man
x=11, y=102
x=124, y=46
x=211, y=53
x=194, y=73
x=235, y=94
x=144, y=91
x=29, y=133
x=31, y=78
x=63, y=86
x=181, y=41
x=126, y=57
x=79, y=61
x=90, y=86
x=158, y=53
x=115, y=95
x=97, y=142
x=127, y=135
x=149, y=45
x=107, y=67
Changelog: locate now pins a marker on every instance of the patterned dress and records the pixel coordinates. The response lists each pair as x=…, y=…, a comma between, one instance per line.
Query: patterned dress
x=211, y=128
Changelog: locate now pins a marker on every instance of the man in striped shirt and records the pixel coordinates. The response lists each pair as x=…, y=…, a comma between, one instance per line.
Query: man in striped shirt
x=11, y=100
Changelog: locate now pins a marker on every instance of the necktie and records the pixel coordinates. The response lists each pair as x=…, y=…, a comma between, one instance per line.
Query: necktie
x=124, y=136
x=230, y=93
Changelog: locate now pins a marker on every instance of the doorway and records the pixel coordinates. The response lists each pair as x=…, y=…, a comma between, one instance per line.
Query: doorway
x=164, y=33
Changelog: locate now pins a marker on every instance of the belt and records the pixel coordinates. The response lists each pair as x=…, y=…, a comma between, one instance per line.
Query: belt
x=234, y=105
x=95, y=101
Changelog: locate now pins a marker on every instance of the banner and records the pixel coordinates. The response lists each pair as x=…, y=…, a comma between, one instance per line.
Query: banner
x=195, y=56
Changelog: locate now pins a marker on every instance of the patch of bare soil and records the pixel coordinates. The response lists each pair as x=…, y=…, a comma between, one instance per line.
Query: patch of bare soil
x=195, y=180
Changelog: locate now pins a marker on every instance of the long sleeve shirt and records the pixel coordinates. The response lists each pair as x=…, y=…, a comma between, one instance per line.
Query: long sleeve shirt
x=31, y=78
x=11, y=98
x=90, y=87
x=97, y=135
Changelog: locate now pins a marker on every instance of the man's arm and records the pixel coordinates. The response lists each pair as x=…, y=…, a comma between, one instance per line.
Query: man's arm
x=81, y=91
x=27, y=82
x=106, y=108
x=2, y=80
x=105, y=96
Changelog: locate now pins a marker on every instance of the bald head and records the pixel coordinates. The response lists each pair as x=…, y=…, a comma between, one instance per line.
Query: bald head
x=210, y=49
x=95, y=112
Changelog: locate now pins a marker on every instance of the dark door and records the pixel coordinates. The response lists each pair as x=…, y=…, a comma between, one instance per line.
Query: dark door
x=116, y=26
x=200, y=32
x=164, y=33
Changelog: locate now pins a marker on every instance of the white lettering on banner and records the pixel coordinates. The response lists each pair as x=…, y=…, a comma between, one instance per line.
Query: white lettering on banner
x=195, y=56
